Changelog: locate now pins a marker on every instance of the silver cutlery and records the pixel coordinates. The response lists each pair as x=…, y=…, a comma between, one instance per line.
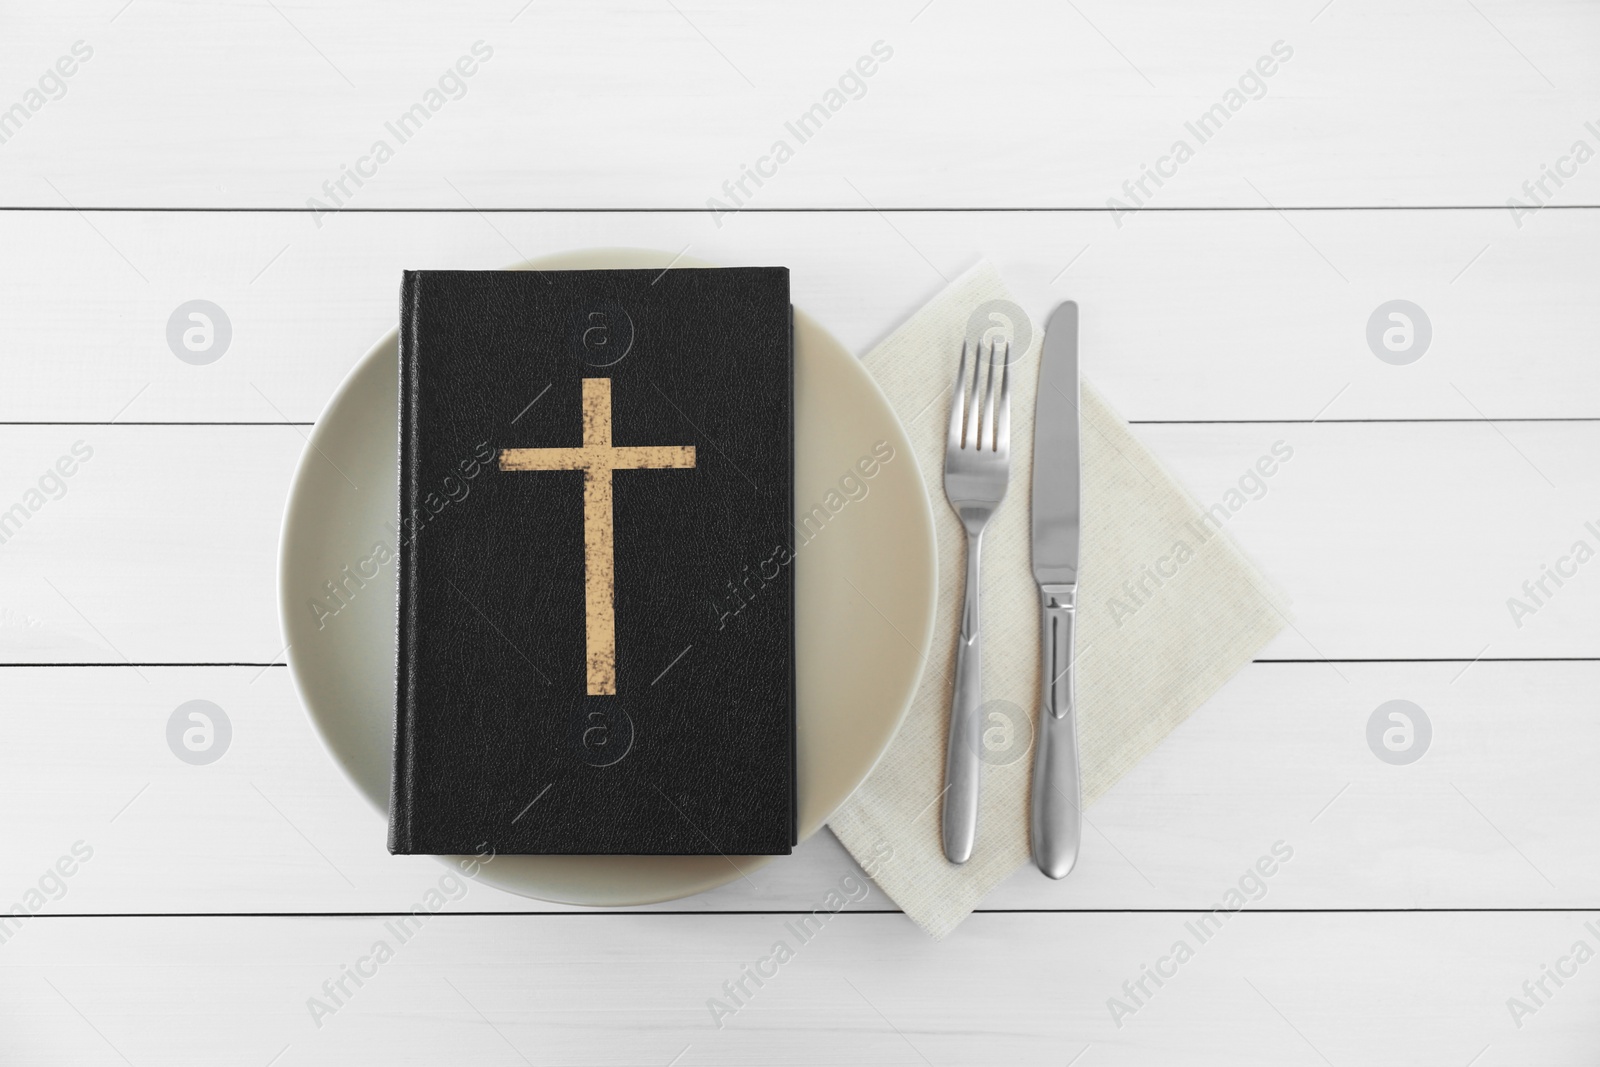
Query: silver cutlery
x=1056, y=823
x=977, y=466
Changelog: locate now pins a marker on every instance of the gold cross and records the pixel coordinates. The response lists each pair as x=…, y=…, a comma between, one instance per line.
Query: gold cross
x=597, y=458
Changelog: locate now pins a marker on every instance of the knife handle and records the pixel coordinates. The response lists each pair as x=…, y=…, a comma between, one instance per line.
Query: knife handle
x=962, y=764
x=1056, y=823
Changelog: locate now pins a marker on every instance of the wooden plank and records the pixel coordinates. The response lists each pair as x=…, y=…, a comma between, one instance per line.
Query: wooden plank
x=1498, y=813
x=162, y=547
x=629, y=104
x=1394, y=540
x=1213, y=315
x=867, y=989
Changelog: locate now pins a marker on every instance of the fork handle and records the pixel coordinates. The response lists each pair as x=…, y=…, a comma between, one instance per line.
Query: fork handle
x=1056, y=823
x=962, y=765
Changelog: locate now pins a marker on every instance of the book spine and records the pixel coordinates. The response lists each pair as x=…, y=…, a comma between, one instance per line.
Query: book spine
x=794, y=585
x=403, y=784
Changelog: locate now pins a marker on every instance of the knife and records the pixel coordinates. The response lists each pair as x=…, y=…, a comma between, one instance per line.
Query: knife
x=1056, y=824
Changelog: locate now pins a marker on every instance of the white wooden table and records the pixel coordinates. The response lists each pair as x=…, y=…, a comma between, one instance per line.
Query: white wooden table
x=178, y=162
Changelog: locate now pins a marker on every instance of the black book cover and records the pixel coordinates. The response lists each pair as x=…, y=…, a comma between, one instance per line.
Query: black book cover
x=595, y=474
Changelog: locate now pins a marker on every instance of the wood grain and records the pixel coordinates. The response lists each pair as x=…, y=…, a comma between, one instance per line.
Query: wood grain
x=1498, y=813
x=1376, y=532
x=1189, y=316
x=631, y=103
x=1268, y=989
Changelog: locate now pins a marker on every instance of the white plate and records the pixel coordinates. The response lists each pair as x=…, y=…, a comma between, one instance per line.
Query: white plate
x=864, y=599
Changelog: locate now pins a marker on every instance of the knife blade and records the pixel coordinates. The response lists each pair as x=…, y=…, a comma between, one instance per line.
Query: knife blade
x=1056, y=823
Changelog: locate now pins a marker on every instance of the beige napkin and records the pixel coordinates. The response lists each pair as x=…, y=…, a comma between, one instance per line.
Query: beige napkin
x=1148, y=654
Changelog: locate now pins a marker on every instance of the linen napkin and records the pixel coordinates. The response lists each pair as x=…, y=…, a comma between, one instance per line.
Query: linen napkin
x=1160, y=627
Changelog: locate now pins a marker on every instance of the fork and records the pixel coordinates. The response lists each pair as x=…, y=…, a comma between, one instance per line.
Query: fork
x=977, y=466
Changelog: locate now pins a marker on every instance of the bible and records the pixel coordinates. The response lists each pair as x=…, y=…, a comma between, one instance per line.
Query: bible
x=596, y=587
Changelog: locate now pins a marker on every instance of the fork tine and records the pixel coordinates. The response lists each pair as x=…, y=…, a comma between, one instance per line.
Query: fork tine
x=958, y=408
x=991, y=403
x=1003, y=419
x=986, y=438
x=974, y=398
x=980, y=397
